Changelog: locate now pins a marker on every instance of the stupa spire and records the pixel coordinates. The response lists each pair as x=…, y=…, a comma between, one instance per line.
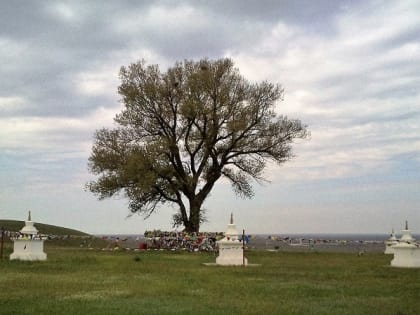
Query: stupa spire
x=231, y=218
x=406, y=224
x=29, y=215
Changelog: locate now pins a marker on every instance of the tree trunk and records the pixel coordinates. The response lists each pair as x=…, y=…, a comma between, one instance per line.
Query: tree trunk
x=193, y=223
x=191, y=227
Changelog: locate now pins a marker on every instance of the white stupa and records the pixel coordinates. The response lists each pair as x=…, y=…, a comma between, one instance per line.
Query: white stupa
x=406, y=235
x=407, y=251
x=389, y=243
x=29, y=245
x=231, y=251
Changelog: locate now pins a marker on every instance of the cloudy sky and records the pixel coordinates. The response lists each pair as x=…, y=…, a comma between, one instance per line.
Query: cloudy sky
x=350, y=70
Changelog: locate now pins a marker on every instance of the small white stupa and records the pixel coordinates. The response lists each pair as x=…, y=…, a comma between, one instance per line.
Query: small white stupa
x=29, y=245
x=406, y=235
x=407, y=251
x=231, y=252
x=389, y=243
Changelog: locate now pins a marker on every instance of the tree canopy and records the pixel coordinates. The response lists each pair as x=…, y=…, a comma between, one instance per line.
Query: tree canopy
x=182, y=130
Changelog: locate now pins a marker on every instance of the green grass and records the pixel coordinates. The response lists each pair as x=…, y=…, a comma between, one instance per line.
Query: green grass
x=79, y=281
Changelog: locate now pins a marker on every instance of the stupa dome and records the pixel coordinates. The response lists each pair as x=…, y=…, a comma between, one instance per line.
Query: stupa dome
x=29, y=227
x=406, y=237
x=392, y=237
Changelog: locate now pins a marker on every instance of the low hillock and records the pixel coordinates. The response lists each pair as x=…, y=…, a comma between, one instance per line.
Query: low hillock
x=15, y=226
x=57, y=235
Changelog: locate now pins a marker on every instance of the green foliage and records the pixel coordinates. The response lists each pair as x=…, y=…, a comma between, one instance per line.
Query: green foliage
x=96, y=282
x=182, y=130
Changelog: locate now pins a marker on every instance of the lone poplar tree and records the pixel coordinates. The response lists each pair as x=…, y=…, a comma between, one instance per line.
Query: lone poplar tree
x=182, y=130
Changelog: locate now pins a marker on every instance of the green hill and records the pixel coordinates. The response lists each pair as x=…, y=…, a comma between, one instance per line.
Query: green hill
x=59, y=236
x=13, y=225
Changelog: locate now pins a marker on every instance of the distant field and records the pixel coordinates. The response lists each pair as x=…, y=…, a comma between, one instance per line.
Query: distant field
x=82, y=281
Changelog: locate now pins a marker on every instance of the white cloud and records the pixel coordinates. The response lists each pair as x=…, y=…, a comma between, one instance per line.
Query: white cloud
x=10, y=48
x=11, y=103
x=343, y=86
x=377, y=22
x=97, y=82
x=160, y=19
x=11, y=52
x=102, y=78
x=177, y=18
x=62, y=11
x=53, y=134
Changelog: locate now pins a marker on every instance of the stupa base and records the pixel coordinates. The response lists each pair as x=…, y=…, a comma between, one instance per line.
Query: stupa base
x=28, y=249
x=221, y=261
x=389, y=250
x=28, y=257
x=406, y=256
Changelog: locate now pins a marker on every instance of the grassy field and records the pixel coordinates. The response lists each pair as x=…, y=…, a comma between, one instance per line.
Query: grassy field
x=81, y=281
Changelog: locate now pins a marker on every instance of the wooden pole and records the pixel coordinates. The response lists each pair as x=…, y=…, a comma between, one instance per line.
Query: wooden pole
x=1, y=247
x=243, y=247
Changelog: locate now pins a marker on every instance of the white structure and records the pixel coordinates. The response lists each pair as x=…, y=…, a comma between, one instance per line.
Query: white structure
x=29, y=245
x=407, y=251
x=231, y=252
x=406, y=235
x=390, y=243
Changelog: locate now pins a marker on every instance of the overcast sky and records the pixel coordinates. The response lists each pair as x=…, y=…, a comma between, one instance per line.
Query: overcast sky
x=350, y=70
